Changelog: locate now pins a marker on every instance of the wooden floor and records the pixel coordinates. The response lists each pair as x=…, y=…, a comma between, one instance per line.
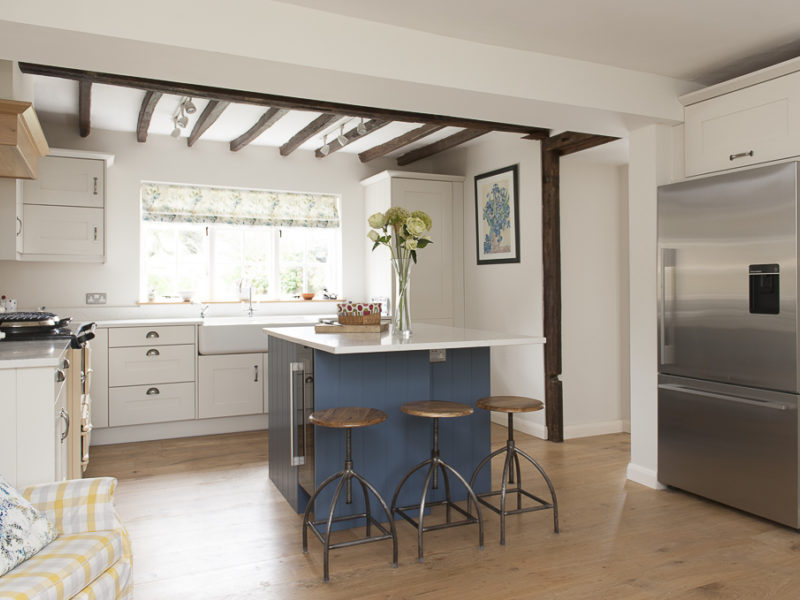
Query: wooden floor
x=206, y=523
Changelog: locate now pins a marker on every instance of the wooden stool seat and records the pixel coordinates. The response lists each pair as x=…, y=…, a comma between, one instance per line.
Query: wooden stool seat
x=436, y=409
x=510, y=404
x=347, y=416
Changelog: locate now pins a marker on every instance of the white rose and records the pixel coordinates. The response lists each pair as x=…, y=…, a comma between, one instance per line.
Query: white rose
x=411, y=244
x=373, y=235
x=378, y=220
x=416, y=226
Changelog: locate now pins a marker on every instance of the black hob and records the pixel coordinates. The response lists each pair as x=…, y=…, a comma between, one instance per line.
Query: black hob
x=22, y=326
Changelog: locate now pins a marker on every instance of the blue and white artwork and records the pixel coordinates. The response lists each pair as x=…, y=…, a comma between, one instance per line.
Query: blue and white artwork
x=496, y=207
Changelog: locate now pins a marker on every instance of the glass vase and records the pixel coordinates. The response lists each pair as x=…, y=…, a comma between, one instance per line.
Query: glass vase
x=401, y=319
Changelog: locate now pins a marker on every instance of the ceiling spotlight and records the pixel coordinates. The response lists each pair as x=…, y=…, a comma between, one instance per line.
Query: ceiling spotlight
x=340, y=138
x=325, y=146
x=182, y=121
x=176, y=132
x=361, y=128
x=189, y=106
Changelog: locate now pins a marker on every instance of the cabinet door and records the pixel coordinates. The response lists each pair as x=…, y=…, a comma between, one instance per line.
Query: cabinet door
x=230, y=384
x=62, y=230
x=66, y=181
x=435, y=276
x=99, y=379
x=749, y=126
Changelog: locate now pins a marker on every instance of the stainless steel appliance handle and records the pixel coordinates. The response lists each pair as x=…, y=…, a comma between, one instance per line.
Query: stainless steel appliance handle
x=694, y=392
x=667, y=285
x=294, y=368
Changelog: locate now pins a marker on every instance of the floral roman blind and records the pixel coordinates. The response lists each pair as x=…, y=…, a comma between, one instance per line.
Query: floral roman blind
x=169, y=203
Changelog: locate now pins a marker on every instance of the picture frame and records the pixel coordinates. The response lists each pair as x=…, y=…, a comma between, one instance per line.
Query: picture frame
x=497, y=216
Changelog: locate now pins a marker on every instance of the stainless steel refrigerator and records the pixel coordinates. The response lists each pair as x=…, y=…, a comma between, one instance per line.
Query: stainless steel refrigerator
x=728, y=339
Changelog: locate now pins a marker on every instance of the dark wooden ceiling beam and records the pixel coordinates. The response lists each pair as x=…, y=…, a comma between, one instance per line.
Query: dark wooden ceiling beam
x=210, y=114
x=440, y=146
x=351, y=136
x=307, y=132
x=399, y=142
x=84, y=107
x=569, y=142
x=146, y=114
x=271, y=100
x=267, y=120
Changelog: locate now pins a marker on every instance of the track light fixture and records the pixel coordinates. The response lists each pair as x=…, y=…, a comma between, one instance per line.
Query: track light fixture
x=325, y=146
x=340, y=138
x=179, y=119
x=361, y=128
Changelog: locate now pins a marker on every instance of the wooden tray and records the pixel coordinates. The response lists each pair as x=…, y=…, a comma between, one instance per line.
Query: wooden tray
x=337, y=328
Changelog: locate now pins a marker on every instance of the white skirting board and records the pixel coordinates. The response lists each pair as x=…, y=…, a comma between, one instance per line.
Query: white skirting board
x=570, y=431
x=177, y=429
x=644, y=476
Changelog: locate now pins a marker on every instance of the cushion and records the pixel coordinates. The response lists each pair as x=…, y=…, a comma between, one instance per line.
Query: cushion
x=23, y=529
x=66, y=567
x=115, y=584
x=77, y=505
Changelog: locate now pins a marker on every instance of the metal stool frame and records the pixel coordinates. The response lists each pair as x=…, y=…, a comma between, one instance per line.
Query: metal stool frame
x=431, y=481
x=512, y=454
x=345, y=478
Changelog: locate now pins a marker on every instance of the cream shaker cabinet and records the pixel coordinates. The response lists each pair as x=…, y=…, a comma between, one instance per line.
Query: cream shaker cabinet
x=151, y=374
x=34, y=424
x=437, y=280
x=231, y=384
x=60, y=216
x=752, y=125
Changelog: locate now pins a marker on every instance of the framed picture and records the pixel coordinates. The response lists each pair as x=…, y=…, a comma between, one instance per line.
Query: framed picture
x=497, y=216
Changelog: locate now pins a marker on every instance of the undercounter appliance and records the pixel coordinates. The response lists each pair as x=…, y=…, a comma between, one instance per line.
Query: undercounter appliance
x=24, y=326
x=729, y=382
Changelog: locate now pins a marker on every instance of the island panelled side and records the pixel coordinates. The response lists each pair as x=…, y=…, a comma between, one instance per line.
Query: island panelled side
x=382, y=453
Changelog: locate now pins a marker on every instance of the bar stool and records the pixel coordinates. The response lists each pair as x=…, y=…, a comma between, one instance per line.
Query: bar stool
x=347, y=418
x=437, y=409
x=511, y=405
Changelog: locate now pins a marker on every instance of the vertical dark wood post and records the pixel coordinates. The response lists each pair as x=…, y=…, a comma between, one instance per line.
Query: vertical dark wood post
x=551, y=275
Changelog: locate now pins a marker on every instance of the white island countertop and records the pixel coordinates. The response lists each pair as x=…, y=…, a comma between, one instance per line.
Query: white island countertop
x=424, y=337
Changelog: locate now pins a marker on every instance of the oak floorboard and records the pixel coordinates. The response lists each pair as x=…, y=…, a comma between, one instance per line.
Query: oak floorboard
x=205, y=522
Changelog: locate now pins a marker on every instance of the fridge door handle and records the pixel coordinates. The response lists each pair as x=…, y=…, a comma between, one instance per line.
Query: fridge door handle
x=296, y=459
x=695, y=392
x=667, y=285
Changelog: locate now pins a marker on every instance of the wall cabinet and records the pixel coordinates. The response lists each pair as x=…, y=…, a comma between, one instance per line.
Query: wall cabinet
x=231, y=384
x=437, y=281
x=61, y=215
x=756, y=124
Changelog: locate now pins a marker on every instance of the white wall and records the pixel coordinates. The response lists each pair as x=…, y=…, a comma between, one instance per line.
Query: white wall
x=594, y=302
x=650, y=166
x=164, y=158
x=508, y=297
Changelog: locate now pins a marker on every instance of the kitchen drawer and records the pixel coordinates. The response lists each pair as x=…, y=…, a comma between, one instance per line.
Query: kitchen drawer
x=134, y=405
x=150, y=336
x=149, y=365
x=752, y=125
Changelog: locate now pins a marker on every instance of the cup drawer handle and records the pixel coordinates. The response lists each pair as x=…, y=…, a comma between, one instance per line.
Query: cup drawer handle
x=153, y=352
x=153, y=391
x=152, y=335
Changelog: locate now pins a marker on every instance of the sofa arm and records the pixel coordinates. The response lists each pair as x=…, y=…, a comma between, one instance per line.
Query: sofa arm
x=77, y=505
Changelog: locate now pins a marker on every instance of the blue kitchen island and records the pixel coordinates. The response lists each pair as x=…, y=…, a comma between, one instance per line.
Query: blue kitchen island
x=313, y=371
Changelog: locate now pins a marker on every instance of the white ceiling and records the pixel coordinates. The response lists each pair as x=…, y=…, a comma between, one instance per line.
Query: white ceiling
x=706, y=41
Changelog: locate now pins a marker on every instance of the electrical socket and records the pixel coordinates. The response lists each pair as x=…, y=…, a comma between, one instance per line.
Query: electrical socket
x=438, y=355
x=96, y=298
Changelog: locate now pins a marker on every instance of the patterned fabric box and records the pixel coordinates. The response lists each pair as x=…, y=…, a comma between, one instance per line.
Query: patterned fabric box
x=92, y=556
x=359, y=313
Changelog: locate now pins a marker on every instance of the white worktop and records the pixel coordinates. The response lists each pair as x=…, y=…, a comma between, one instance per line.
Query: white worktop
x=424, y=337
x=22, y=355
x=149, y=322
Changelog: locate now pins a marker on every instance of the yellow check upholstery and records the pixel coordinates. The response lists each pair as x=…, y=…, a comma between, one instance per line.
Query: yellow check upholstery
x=90, y=560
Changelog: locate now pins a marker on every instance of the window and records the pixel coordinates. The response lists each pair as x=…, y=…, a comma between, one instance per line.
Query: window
x=218, y=244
